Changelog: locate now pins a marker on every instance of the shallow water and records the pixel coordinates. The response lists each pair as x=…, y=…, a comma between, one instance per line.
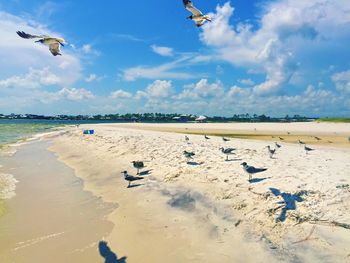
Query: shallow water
x=51, y=218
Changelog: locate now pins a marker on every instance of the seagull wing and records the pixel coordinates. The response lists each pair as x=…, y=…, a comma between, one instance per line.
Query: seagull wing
x=55, y=49
x=253, y=170
x=189, y=6
x=28, y=36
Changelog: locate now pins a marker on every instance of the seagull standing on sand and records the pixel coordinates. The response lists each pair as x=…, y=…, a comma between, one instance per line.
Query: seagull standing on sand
x=250, y=170
x=278, y=145
x=197, y=16
x=54, y=43
x=225, y=139
x=131, y=178
x=186, y=138
x=271, y=151
x=206, y=137
x=307, y=149
x=189, y=155
x=301, y=142
x=227, y=151
x=138, y=165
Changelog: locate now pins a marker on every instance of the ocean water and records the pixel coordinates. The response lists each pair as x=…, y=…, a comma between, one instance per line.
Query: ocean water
x=12, y=131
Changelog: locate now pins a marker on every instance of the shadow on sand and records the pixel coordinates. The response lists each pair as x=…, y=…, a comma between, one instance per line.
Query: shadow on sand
x=147, y=172
x=194, y=163
x=288, y=203
x=258, y=180
x=108, y=254
x=134, y=185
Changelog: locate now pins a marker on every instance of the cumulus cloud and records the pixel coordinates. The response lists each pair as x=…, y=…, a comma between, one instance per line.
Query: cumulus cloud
x=287, y=33
x=34, y=79
x=342, y=81
x=247, y=82
x=75, y=94
x=202, y=89
x=163, y=51
x=120, y=94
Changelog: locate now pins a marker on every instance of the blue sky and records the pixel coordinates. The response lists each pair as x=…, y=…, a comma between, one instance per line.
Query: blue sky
x=267, y=57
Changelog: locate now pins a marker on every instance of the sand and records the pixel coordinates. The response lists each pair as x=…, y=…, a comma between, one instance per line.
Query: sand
x=207, y=211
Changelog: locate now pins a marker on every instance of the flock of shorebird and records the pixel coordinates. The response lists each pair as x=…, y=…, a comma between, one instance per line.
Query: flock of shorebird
x=250, y=170
x=55, y=43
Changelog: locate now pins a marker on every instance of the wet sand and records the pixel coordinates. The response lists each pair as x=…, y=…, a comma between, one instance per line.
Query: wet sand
x=51, y=218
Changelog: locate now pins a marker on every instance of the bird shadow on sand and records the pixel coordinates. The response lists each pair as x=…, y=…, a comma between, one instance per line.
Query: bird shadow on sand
x=108, y=255
x=258, y=180
x=134, y=185
x=147, y=172
x=288, y=203
x=194, y=163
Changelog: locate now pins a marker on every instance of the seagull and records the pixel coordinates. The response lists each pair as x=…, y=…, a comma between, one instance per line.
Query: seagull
x=189, y=155
x=186, y=138
x=138, y=165
x=281, y=138
x=278, y=145
x=225, y=139
x=131, y=178
x=252, y=170
x=227, y=151
x=317, y=138
x=271, y=151
x=301, y=142
x=53, y=42
x=307, y=149
x=197, y=16
x=206, y=137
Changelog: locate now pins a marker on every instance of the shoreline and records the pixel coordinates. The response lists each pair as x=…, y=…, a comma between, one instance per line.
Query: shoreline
x=51, y=214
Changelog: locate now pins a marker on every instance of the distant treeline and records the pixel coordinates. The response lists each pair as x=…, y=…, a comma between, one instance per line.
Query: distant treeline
x=160, y=117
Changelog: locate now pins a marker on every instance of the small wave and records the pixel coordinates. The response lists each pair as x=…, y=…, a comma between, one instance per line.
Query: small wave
x=7, y=186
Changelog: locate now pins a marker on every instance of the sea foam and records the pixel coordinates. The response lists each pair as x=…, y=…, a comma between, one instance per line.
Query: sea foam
x=7, y=186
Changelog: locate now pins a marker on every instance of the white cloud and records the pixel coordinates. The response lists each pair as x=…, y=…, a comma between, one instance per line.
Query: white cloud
x=247, y=82
x=34, y=79
x=120, y=94
x=163, y=71
x=94, y=77
x=342, y=81
x=159, y=89
x=75, y=94
x=202, y=89
x=288, y=32
x=163, y=51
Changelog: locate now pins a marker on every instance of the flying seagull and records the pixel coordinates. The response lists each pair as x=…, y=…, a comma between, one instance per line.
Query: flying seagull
x=227, y=151
x=197, y=16
x=250, y=170
x=131, y=178
x=138, y=165
x=54, y=43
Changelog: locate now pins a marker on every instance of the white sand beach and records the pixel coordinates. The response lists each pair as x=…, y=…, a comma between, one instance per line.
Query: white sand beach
x=206, y=210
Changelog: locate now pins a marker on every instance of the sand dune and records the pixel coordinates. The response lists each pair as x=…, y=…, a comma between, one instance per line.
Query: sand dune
x=199, y=211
